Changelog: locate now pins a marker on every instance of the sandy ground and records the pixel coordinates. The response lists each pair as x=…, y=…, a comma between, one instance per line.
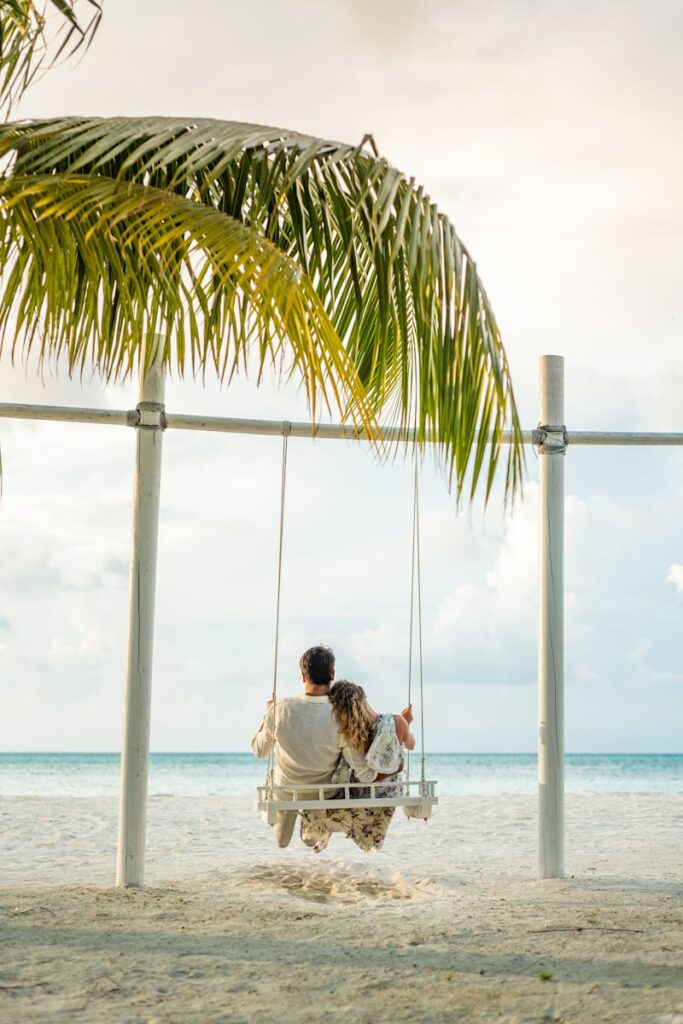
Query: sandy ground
x=446, y=925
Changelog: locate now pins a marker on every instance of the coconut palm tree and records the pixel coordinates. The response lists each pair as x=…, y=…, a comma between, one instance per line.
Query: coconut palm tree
x=248, y=246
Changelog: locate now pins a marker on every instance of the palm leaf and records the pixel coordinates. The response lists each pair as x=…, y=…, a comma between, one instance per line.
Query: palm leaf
x=97, y=268
x=394, y=282
x=31, y=42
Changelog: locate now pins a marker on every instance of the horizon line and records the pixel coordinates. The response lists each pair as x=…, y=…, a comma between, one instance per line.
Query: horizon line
x=432, y=753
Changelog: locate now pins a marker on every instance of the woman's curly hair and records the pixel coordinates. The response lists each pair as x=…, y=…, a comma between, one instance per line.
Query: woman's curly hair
x=354, y=718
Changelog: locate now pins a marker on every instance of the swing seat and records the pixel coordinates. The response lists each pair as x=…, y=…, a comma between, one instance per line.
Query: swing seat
x=417, y=798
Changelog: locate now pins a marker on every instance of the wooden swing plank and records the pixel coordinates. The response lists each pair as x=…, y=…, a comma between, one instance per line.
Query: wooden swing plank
x=297, y=798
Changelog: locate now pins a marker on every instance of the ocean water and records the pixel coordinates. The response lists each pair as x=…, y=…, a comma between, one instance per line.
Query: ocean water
x=237, y=774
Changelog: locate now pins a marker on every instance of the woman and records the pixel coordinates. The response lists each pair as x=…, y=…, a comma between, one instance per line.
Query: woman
x=382, y=740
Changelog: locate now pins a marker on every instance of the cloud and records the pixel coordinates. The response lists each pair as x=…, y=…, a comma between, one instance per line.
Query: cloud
x=485, y=632
x=391, y=27
x=29, y=382
x=88, y=643
x=676, y=577
x=640, y=649
x=25, y=571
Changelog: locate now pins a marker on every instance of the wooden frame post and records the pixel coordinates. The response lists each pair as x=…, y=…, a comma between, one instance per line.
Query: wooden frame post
x=149, y=423
x=551, y=441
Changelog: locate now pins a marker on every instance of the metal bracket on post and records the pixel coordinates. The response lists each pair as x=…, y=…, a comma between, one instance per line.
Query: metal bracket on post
x=550, y=440
x=148, y=416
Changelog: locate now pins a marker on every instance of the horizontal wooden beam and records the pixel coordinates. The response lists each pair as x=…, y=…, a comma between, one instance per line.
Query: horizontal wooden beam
x=325, y=431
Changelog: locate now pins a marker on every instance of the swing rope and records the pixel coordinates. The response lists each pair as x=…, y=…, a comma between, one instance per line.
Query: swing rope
x=416, y=577
x=415, y=585
x=286, y=431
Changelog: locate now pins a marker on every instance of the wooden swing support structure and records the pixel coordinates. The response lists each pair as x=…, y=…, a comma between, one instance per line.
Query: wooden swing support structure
x=150, y=420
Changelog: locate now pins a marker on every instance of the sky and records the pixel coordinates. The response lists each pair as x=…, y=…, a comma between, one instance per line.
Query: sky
x=549, y=133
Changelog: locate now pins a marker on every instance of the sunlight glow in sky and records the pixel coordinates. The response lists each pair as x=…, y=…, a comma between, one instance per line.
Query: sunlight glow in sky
x=550, y=134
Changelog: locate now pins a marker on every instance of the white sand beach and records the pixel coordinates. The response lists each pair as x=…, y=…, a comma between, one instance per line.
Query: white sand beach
x=446, y=924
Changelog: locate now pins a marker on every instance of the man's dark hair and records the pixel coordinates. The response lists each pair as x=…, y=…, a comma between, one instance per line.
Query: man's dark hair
x=317, y=664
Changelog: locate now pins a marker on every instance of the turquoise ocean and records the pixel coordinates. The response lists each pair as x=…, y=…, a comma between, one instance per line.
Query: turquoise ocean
x=226, y=774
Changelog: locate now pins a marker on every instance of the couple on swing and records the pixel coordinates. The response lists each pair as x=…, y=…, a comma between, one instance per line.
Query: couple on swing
x=329, y=733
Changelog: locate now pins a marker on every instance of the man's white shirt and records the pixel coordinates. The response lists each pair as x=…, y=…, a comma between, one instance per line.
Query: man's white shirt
x=307, y=742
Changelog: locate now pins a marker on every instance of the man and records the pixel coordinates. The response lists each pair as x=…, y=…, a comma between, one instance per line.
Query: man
x=304, y=731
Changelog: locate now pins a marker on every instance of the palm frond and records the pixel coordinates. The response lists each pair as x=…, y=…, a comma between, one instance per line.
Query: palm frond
x=95, y=269
x=400, y=290
x=33, y=37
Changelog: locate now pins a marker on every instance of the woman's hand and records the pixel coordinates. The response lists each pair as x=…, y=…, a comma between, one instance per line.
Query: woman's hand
x=407, y=713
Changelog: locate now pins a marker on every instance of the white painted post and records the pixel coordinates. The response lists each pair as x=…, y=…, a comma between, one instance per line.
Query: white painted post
x=130, y=862
x=552, y=443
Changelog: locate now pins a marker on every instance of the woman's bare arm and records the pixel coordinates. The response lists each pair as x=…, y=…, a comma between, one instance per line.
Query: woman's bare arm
x=403, y=732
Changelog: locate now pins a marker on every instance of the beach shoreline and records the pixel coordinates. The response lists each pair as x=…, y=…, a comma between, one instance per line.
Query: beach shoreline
x=447, y=923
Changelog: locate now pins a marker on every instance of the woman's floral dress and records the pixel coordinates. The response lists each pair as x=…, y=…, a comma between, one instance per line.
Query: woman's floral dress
x=366, y=826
